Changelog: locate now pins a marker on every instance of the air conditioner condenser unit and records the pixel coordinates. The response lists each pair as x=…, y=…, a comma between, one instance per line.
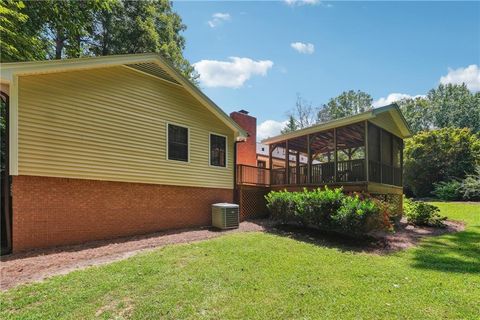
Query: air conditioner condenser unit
x=225, y=215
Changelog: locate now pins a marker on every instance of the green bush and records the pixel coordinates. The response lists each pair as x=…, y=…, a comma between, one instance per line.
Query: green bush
x=471, y=186
x=448, y=190
x=329, y=210
x=420, y=213
x=439, y=155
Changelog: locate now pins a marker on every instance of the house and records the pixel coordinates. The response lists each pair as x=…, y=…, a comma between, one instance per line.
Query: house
x=360, y=153
x=111, y=146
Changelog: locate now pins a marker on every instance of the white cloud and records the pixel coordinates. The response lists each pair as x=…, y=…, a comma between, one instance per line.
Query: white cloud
x=301, y=2
x=306, y=48
x=269, y=128
x=393, y=97
x=218, y=18
x=469, y=75
x=230, y=74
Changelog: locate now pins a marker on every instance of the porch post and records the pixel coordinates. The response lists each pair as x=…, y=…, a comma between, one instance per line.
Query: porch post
x=381, y=157
x=270, y=165
x=309, y=161
x=367, y=178
x=297, y=168
x=401, y=163
x=335, y=154
x=287, y=163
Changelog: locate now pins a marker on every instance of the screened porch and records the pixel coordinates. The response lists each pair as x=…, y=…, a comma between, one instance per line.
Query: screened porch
x=356, y=153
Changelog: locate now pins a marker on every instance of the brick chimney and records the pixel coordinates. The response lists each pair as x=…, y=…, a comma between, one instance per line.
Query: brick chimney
x=246, y=151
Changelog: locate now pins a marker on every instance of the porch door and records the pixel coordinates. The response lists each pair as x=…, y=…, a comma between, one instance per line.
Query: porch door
x=6, y=207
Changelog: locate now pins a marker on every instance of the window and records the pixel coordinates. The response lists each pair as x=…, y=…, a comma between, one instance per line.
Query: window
x=177, y=143
x=261, y=164
x=218, y=150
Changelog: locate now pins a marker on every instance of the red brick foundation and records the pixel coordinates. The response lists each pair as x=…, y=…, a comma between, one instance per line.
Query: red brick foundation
x=57, y=211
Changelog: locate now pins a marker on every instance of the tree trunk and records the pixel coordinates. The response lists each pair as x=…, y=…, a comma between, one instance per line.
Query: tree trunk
x=59, y=44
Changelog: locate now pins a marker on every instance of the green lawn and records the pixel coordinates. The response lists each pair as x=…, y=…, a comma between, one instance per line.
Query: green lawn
x=266, y=276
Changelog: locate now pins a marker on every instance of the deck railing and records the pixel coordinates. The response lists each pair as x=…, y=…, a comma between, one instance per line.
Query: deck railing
x=351, y=171
x=250, y=175
x=322, y=173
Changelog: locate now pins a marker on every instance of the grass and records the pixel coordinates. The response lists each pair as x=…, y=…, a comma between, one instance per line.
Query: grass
x=266, y=276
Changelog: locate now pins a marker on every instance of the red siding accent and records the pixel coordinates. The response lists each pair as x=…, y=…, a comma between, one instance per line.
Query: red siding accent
x=59, y=211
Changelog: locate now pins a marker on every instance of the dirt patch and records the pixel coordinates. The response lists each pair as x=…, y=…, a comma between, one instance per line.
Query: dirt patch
x=37, y=265
x=116, y=309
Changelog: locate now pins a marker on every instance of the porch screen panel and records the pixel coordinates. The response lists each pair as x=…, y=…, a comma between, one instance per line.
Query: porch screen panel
x=397, y=148
x=351, y=153
x=374, y=168
x=386, y=147
x=322, y=149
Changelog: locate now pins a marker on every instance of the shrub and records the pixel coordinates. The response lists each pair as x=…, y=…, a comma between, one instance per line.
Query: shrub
x=439, y=155
x=329, y=210
x=420, y=213
x=448, y=190
x=471, y=186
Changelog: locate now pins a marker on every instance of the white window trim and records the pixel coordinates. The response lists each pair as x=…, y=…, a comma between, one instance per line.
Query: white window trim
x=188, y=142
x=210, y=150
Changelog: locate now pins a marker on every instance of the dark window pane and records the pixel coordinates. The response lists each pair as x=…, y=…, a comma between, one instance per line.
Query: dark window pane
x=218, y=151
x=177, y=143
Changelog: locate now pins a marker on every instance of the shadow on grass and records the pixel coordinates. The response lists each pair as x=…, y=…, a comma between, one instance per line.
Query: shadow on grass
x=325, y=239
x=458, y=252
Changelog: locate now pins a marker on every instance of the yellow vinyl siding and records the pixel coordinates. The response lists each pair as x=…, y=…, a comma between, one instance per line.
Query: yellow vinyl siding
x=110, y=124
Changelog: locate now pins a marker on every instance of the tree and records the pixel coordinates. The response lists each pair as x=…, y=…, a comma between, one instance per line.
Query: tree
x=290, y=126
x=71, y=29
x=417, y=112
x=455, y=106
x=17, y=42
x=346, y=104
x=302, y=116
x=64, y=24
x=439, y=155
x=142, y=26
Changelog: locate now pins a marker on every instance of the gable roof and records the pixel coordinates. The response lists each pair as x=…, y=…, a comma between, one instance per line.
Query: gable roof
x=376, y=114
x=152, y=64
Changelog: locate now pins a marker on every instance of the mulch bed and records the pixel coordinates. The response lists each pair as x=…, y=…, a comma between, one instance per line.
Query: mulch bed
x=407, y=235
x=16, y=269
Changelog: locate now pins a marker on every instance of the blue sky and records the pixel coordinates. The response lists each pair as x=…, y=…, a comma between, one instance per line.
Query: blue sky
x=259, y=55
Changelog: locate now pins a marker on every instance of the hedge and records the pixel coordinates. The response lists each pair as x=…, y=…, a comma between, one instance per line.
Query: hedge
x=330, y=209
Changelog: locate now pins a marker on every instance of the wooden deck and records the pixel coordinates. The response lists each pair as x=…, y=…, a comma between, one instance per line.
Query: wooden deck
x=350, y=176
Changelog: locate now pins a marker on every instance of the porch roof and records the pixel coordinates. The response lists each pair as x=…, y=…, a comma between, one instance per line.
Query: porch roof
x=387, y=117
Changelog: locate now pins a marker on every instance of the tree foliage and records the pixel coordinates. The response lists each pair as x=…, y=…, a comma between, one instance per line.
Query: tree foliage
x=290, y=126
x=346, y=104
x=455, y=106
x=439, y=155
x=17, y=41
x=417, y=113
x=75, y=28
x=302, y=116
x=449, y=105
